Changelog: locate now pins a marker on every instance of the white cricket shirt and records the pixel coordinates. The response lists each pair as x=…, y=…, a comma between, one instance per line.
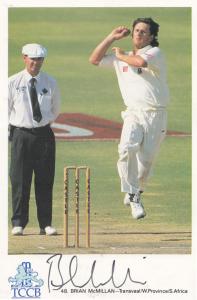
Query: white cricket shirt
x=19, y=103
x=147, y=90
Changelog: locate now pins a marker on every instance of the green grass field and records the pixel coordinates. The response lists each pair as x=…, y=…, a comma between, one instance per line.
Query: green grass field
x=70, y=34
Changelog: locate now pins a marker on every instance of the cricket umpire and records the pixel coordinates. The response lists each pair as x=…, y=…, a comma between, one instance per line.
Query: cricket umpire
x=141, y=75
x=33, y=103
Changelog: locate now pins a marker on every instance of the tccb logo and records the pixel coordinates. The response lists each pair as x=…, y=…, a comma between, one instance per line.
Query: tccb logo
x=25, y=284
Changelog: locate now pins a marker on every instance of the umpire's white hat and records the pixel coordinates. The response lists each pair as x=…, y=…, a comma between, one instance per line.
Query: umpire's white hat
x=34, y=50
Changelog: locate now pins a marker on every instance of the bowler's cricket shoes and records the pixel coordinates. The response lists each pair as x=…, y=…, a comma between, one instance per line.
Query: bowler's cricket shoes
x=137, y=209
x=127, y=199
x=17, y=230
x=48, y=231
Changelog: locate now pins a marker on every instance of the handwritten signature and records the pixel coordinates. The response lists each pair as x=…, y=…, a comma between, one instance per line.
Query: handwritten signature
x=55, y=262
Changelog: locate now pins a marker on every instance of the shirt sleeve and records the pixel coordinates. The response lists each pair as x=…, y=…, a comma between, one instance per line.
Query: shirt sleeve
x=153, y=58
x=107, y=61
x=10, y=98
x=55, y=101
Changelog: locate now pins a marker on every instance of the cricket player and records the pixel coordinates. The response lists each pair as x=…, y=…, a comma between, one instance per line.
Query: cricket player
x=141, y=77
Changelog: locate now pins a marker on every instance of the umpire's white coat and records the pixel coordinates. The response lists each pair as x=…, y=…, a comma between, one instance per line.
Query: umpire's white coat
x=145, y=94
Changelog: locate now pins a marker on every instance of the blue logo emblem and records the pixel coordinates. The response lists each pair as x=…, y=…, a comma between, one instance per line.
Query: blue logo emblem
x=25, y=284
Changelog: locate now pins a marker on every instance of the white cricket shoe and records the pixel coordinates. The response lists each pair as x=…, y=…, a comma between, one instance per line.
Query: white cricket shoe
x=127, y=200
x=50, y=230
x=137, y=209
x=17, y=230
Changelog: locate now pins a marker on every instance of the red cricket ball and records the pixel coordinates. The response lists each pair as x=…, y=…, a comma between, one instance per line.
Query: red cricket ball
x=126, y=33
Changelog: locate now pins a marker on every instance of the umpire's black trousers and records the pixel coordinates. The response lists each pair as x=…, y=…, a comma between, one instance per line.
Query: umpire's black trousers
x=32, y=151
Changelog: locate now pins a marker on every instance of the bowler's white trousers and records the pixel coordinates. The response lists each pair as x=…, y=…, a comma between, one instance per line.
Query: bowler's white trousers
x=142, y=134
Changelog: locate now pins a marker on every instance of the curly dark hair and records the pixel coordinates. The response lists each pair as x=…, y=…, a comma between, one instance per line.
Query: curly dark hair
x=154, y=29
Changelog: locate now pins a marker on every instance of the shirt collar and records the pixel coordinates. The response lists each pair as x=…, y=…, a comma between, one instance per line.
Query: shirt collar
x=143, y=50
x=29, y=76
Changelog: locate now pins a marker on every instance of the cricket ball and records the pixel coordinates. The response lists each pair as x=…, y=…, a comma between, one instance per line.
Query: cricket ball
x=126, y=33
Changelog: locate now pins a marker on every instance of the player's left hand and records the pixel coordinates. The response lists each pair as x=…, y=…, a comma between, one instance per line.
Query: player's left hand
x=118, y=51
